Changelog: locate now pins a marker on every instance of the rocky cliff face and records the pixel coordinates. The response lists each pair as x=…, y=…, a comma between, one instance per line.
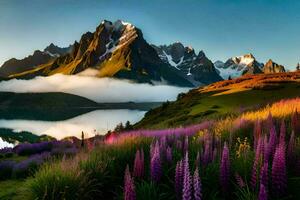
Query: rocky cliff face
x=197, y=68
x=272, y=67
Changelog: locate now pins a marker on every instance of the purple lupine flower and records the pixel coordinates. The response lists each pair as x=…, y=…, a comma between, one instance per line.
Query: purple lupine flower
x=169, y=156
x=155, y=164
x=6, y=150
x=272, y=142
x=152, y=147
x=225, y=168
x=279, y=178
x=179, y=179
x=282, y=133
x=291, y=148
x=262, y=193
x=197, y=185
x=162, y=147
x=138, y=169
x=35, y=148
x=257, y=158
x=25, y=167
x=239, y=180
x=207, y=157
x=266, y=149
x=129, y=188
x=264, y=177
x=187, y=182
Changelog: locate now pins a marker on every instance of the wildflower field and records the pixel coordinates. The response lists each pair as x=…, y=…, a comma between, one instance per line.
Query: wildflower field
x=253, y=156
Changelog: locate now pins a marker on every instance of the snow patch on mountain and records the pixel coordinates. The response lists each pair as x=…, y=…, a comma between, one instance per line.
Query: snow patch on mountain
x=171, y=62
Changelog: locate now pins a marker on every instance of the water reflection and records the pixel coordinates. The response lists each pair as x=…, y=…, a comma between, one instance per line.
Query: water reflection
x=99, y=120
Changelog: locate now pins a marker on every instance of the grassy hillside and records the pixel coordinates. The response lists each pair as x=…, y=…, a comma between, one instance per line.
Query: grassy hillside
x=223, y=98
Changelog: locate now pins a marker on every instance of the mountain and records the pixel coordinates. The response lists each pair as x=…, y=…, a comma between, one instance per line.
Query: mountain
x=223, y=98
x=15, y=66
x=237, y=66
x=197, y=68
x=56, y=51
x=114, y=50
x=272, y=67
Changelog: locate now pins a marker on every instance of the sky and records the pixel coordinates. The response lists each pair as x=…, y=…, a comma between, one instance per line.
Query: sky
x=222, y=28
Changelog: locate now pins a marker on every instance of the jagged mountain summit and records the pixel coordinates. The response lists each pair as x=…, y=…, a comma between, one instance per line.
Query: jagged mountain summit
x=272, y=67
x=238, y=66
x=198, y=68
x=115, y=49
x=15, y=66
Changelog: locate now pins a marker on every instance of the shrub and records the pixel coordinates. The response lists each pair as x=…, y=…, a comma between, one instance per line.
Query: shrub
x=58, y=181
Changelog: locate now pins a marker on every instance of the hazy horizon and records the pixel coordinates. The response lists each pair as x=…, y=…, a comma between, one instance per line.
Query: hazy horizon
x=222, y=28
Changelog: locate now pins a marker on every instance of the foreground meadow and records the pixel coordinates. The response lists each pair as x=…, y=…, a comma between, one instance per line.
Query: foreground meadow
x=253, y=156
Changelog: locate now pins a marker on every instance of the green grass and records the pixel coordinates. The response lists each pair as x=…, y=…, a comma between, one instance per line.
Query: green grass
x=10, y=189
x=195, y=107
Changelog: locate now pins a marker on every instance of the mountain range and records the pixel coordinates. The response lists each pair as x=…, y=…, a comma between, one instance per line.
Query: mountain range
x=118, y=49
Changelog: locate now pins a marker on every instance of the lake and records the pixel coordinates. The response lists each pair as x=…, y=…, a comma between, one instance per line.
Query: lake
x=97, y=121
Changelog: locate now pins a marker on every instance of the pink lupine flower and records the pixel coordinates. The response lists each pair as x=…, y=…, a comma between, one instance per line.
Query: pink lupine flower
x=264, y=175
x=129, y=188
x=155, y=164
x=262, y=193
x=138, y=170
x=279, y=178
x=225, y=169
x=179, y=179
x=197, y=185
x=187, y=182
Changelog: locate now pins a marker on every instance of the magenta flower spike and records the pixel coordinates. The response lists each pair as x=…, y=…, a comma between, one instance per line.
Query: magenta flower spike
x=129, y=188
x=291, y=148
x=169, y=156
x=262, y=193
x=187, y=182
x=264, y=175
x=138, y=169
x=155, y=164
x=282, y=133
x=179, y=179
x=279, y=178
x=225, y=169
x=272, y=142
x=197, y=185
x=239, y=180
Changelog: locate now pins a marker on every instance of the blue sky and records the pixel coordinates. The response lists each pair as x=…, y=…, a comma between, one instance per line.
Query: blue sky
x=222, y=28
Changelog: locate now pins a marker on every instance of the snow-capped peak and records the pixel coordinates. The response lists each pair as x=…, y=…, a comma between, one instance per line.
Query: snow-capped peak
x=244, y=60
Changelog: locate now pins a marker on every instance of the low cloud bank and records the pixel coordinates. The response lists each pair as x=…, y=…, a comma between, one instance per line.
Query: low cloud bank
x=96, y=89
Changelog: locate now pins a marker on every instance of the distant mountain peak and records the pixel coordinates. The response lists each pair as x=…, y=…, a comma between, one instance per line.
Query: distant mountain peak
x=198, y=68
x=272, y=67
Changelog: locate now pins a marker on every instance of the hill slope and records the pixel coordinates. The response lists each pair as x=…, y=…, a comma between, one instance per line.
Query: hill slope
x=223, y=98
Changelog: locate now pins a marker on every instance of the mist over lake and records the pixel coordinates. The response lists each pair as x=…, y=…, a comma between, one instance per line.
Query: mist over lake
x=97, y=89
